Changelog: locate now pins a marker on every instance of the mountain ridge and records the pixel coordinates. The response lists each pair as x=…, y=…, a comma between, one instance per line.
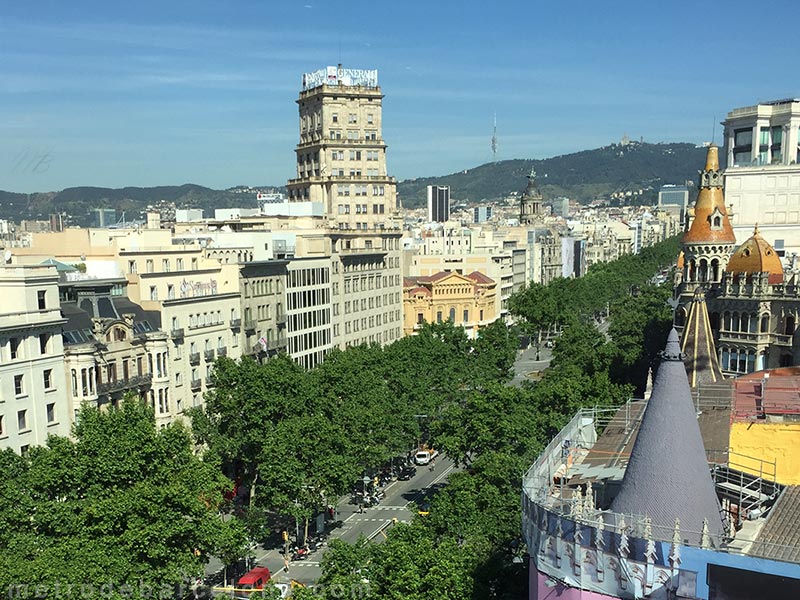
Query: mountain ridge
x=582, y=176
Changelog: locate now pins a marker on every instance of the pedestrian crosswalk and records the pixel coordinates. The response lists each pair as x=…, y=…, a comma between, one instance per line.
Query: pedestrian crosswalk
x=373, y=520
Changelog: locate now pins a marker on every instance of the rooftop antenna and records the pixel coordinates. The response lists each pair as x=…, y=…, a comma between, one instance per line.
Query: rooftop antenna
x=494, y=139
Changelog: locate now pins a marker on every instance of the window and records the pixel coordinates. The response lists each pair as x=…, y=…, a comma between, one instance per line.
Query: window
x=335, y=118
x=170, y=292
x=47, y=377
x=352, y=118
x=179, y=264
x=44, y=338
x=165, y=265
x=2, y=428
x=153, y=292
x=466, y=316
x=18, y=387
x=131, y=266
x=742, y=146
x=40, y=296
x=420, y=318
x=149, y=265
x=439, y=316
x=51, y=412
x=369, y=119
x=22, y=420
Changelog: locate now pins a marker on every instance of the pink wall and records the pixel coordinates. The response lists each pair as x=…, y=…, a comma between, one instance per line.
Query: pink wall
x=539, y=591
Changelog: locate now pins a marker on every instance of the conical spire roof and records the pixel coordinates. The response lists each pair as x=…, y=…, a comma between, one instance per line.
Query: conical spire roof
x=711, y=223
x=667, y=475
x=699, y=350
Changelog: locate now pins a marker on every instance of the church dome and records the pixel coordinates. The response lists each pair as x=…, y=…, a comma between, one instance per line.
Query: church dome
x=756, y=255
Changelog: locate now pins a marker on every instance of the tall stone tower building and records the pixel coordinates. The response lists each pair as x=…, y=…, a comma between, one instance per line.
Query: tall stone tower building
x=341, y=163
x=341, y=157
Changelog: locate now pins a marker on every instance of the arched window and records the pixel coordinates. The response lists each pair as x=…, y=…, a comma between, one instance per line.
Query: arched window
x=764, y=323
x=753, y=323
x=715, y=270
x=452, y=316
x=725, y=359
x=726, y=325
x=702, y=272
x=789, y=325
x=735, y=323
x=745, y=324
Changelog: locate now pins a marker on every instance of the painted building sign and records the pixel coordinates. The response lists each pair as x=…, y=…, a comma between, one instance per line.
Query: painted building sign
x=191, y=289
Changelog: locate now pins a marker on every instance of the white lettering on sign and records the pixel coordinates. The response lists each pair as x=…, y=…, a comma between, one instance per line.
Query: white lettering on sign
x=333, y=76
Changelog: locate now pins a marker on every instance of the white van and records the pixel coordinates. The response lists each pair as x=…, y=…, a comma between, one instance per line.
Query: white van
x=424, y=457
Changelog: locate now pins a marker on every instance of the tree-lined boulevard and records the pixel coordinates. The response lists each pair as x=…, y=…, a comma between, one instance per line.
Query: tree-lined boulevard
x=274, y=446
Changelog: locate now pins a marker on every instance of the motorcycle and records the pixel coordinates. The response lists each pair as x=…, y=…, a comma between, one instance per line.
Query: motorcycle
x=300, y=553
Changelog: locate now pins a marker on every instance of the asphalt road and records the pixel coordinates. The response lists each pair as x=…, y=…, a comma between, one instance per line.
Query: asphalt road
x=373, y=523
x=526, y=366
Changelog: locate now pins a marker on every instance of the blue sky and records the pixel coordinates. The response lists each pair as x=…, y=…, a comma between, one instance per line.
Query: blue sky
x=159, y=93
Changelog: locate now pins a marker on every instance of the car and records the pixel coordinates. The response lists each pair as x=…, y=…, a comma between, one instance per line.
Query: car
x=254, y=579
x=407, y=473
x=424, y=508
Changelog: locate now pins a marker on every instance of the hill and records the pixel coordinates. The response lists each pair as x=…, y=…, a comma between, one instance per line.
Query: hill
x=583, y=176
x=78, y=202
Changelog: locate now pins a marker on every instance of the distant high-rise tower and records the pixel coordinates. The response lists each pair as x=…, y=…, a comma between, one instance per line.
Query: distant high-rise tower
x=438, y=203
x=494, y=139
x=341, y=157
x=530, y=205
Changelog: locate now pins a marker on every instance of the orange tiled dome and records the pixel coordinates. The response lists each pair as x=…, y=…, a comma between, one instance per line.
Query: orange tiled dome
x=710, y=223
x=756, y=255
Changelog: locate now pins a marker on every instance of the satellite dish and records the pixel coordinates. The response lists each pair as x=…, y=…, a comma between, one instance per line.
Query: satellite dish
x=7, y=257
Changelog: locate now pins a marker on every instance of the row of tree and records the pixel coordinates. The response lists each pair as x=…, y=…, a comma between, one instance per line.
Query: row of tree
x=297, y=440
x=469, y=545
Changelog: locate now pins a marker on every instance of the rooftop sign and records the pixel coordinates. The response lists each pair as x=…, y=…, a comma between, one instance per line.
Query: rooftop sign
x=338, y=75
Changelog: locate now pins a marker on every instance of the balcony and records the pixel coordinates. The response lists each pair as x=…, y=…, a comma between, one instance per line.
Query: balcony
x=120, y=385
x=277, y=344
x=209, y=381
x=280, y=318
x=196, y=384
x=177, y=333
x=194, y=358
x=236, y=323
x=222, y=351
x=249, y=325
x=209, y=355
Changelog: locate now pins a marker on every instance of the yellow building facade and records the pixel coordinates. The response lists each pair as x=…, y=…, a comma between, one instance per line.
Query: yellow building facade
x=469, y=301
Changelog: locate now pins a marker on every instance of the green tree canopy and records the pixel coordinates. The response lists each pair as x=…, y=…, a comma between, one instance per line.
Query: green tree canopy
x=121, y=503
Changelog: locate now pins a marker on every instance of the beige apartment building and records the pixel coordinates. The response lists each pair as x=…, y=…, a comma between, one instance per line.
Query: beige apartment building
x=112, y=346
x=33, y=390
